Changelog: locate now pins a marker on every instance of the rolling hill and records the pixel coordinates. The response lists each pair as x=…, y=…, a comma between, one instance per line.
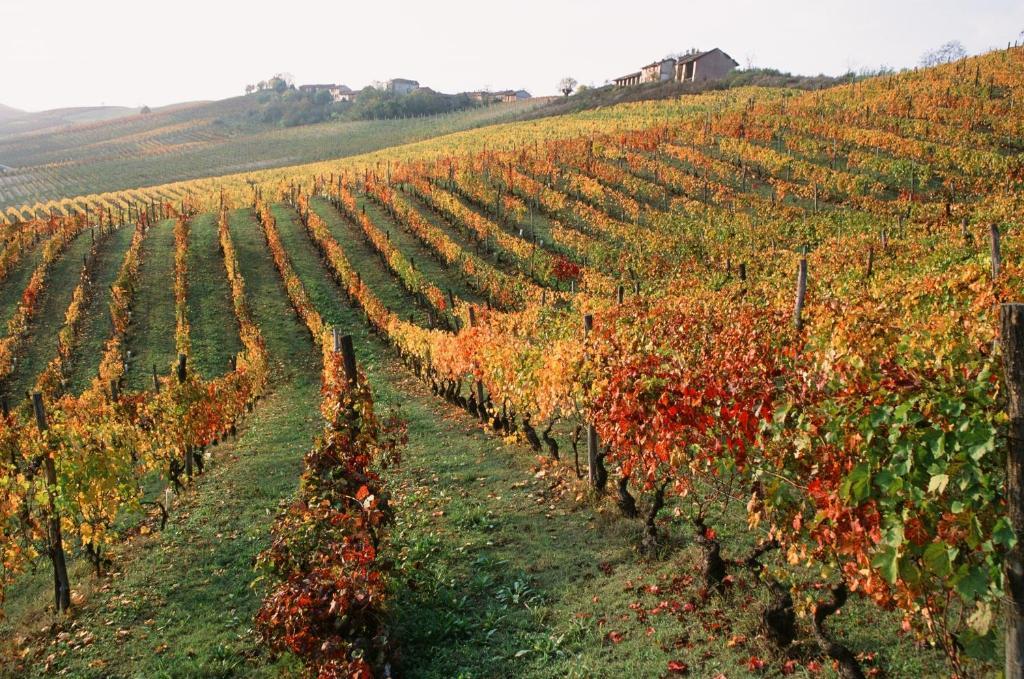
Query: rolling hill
x=7, y=113
x=198, y=139
x=538, y=399
x=14, y=122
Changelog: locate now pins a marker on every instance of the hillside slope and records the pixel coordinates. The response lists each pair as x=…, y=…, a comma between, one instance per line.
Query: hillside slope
x=17, y=123
x=200, y=139
x=7, y=112
x=755, y=462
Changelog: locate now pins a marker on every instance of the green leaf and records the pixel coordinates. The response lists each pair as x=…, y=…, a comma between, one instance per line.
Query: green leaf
x=885, y=479
x=980, y=646
x=936, y=558
x=974, y=534
x=887, y=563
x=971, y=582
x=857, y=484
x=909, y=571
x=1002, y=533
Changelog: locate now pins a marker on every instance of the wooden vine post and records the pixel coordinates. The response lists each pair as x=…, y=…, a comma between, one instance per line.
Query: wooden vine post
x=801, y=293
x=996, y=256
x=61, y=584
x=479, y=383
x=592, y=445
x=180, y=370
x=1012, y=320
x=343, y=345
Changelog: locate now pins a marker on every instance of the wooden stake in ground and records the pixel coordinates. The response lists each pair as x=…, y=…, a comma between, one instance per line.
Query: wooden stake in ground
x=61, y=584
x=801, y=293
x=996, y=256
x=1012, y=317
x=348, y=359
x=593, y=460
x=181, y=368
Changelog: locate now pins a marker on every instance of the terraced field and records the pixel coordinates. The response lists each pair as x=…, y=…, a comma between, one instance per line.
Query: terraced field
x=654, y=390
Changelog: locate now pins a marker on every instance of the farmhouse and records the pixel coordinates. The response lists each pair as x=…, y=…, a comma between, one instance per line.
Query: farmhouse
x=628, y=79
x=505, y=96
x=402, y=86
x=658, y=71
x=338, y=92
x=694, y=66
x=511, y=96
x=701, y=66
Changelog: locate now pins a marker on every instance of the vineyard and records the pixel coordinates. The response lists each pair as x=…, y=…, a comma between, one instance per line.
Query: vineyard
x=727, y=385
x=197, y=140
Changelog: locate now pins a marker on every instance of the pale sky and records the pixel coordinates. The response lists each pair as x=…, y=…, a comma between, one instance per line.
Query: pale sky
x=56, y=53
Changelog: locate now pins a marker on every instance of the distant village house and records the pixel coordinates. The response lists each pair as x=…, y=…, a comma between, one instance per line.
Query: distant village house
x=338, y=92
x=700, y=66
x=510, y=97
x=505, y=96
x=694, y=66
x=628, y=79
x=658, y=71
x=402, y=86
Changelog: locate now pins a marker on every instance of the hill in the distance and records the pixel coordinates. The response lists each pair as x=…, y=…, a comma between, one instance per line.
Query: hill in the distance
x=16, y=122
x=202, y=139
x=6, y=113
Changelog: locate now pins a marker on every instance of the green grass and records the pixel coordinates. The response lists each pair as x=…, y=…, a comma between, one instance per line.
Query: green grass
x=214, y=328
x=41, y=344
x=151, y=334
x=97, y=325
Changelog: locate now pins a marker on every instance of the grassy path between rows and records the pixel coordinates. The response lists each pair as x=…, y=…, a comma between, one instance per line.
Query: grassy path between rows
x=97, y=325
x=41, y=344
x=151, y=335
x=502, y=567
x=212, y=322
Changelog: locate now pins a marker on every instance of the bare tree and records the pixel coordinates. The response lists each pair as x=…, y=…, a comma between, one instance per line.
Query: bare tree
x=748, y=61
x=946, y=54
x=249, y=89
x=567, y=85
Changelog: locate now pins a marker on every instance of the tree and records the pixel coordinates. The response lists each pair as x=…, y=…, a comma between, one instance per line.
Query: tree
x=144, y=110
x=946, y=54
x=249, y=89
x=567, y=85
